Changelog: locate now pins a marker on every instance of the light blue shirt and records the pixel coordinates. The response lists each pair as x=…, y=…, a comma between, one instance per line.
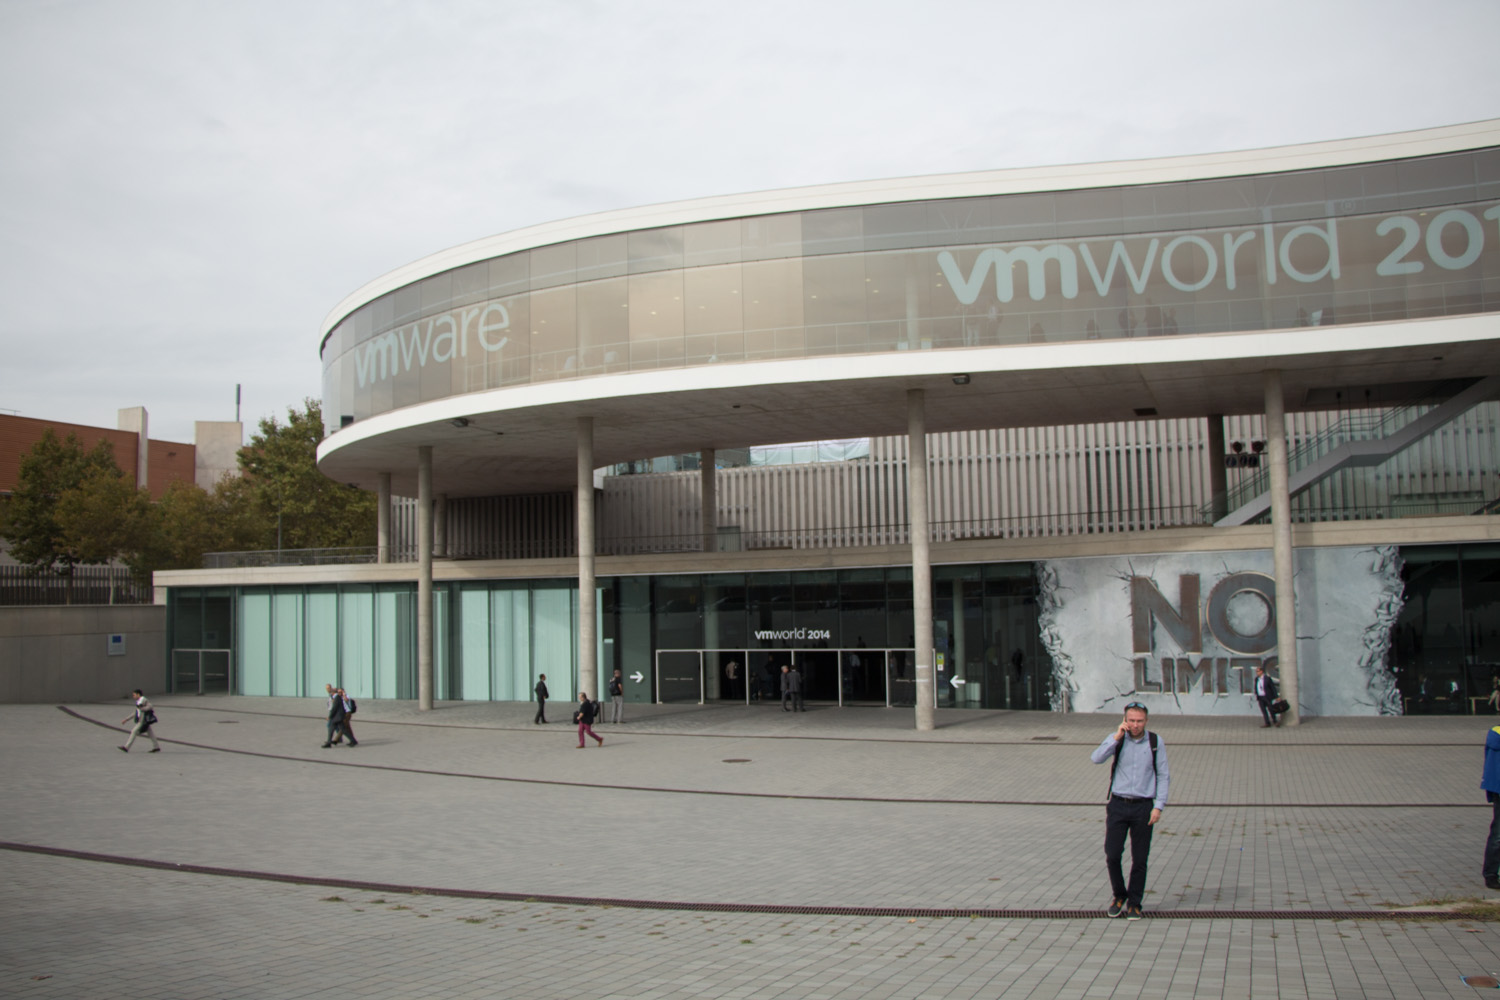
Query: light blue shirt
x=1134, y=777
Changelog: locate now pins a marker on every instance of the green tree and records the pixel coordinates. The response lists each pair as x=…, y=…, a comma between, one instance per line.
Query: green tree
x=189, y=521
x=296, y=505
x=71, y=507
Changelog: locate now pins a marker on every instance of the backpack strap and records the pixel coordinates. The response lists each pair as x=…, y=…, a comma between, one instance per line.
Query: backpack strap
x=1115, y=764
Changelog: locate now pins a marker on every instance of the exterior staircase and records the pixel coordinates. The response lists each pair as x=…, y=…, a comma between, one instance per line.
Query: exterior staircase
x=1358, y=441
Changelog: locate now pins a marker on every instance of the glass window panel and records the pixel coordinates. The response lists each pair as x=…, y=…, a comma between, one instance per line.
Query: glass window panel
x=406, y=305
x=510, y=275
x=655, y=249
x=656, y=320
x=1436, y=180
x=322, y=639
x=603, y=326
x=961, y=220
x=552, y=641
x=554, y=335
x=725, y=606
x=892, y=227
x=711, y=243
x=554, y=265
x=437, y=293
x=833, y=230
x=357, y=641
x=253, y=666
x=1218, y=203
x=772, y=236
x=474, y=643
x=471, y=284
x=1487, y=174
x=1089, y=213
x=1024, y=217
x=833, y=290
x=187, y=619
x=601, y=257
x=713, y=314
x=286, y=645
x=382, y=315
x=1364, y=189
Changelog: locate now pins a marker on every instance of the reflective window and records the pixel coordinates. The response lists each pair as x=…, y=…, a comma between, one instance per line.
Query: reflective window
x=1312, y=248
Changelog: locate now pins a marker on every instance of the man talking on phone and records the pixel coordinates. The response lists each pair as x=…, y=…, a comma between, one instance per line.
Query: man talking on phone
x=1137, y=795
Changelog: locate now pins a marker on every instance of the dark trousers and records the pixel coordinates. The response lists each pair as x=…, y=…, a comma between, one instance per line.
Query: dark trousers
x=1265, y=710
x=541, y=710
x=1492, y=846
x=1122, y=818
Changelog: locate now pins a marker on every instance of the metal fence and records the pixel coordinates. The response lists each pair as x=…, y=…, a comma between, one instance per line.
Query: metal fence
x=288, y=557
x=21, y=585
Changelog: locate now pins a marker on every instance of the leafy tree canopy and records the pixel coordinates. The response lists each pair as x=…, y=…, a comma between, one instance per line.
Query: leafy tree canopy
x=64, y=496
x=292, y=499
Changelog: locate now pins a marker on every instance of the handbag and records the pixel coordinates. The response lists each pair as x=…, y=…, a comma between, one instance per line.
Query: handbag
x=1280, y=706
x=149, y=719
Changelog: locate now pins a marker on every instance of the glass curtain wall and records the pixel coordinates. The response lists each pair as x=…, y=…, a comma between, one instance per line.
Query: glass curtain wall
x=1445, y=645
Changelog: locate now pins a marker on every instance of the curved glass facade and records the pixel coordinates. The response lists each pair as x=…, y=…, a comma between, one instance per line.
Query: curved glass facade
x=1392, y=240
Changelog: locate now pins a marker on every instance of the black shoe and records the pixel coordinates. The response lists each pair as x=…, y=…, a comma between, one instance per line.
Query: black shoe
x=1491, y=882
x=124, y=749
x=154, y=750
x=1116, y=907
x=1133, y=912
x=327, y=745
x=353, y=744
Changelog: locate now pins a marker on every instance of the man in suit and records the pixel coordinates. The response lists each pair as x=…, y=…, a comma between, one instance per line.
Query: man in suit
x=1266, y=694
x=541, y=702
x=335, y=716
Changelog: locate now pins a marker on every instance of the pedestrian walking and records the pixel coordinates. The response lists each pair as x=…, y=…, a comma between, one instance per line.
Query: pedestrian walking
x=1266, y=693
x=347, y=726
x=1138, y=783
x=541, y=701
x=145, y=718
x=585, y=719
x=794, y=678
x=335, y=717
x=786, y=687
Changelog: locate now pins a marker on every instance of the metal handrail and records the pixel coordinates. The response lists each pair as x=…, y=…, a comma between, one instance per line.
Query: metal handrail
x=1353, y=427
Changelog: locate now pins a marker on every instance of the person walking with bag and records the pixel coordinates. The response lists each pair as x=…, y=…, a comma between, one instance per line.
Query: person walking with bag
x=350, y=707
x=1266, y=694
x=585, y=719
x=541, y=702
x=145, y=718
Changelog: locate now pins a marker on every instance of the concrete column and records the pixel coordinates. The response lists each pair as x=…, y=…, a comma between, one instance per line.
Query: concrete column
x=440, y=527
x=424, y=578
x=1281, y=545
x=921, y=553
x=708, y=477
x=588, y=623
x=1218, y=476
x=383, y=518
x=135, y=420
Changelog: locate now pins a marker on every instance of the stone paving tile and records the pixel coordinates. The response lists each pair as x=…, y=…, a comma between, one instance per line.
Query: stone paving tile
x=389, y=818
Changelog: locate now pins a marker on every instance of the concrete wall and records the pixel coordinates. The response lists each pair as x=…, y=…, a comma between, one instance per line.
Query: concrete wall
x=61, y=654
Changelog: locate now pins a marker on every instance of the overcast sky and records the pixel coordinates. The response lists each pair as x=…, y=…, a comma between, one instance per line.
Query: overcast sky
x=189, y=187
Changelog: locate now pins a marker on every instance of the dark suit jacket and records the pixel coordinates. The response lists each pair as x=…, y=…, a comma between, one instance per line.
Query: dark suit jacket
x=541, y=690
x=1272, y=691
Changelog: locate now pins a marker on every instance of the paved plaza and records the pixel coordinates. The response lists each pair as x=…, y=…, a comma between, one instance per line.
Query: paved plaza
x=726, y=852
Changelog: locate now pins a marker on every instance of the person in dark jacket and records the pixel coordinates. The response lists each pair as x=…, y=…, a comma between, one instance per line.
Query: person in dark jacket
x=541, y=702
x=1266, y=694
x=585, y=719
x=335, y=716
